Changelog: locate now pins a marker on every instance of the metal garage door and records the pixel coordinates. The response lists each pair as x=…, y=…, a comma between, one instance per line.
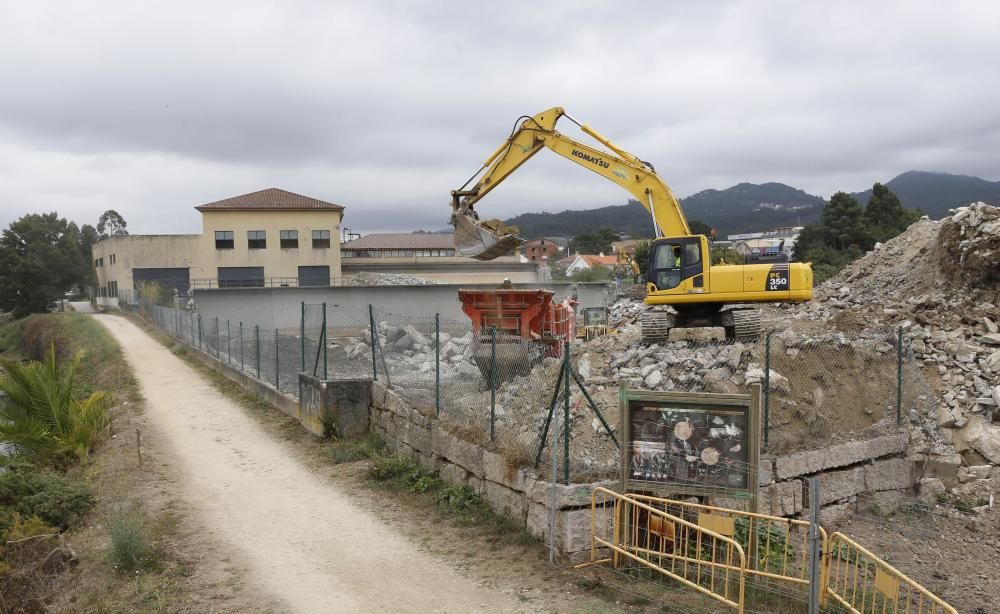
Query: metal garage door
x=170, y=278
x=241, y=277
x=314, y=276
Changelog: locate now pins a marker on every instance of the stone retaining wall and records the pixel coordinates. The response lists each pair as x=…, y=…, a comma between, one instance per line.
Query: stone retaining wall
x=875, y=468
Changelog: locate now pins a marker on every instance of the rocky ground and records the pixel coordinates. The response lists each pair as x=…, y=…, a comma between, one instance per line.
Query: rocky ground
x=390, y=279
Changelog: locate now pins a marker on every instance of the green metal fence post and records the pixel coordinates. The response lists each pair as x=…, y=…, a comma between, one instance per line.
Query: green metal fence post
x=325, y=372
x=277, y=367
x=437, y=364
x=302, y=334
x=767, y=387
x=241, y=346
x=566, y=425
x=374, y=335
x=218, y=339
x=899, y=375
x=256, y=333
x=199, y=331
x=229, y=344
x=493, y=383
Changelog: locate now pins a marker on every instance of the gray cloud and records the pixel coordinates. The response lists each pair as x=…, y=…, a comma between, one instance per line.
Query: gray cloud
x=153, y=108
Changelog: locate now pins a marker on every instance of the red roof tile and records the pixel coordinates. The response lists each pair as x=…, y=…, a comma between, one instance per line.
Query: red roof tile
x=269, y=199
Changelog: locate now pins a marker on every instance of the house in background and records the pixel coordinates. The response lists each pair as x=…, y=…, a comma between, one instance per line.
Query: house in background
x=581, y=262
x=266, y=238
x=626, y=246
x=541, y=249
x=429, y=256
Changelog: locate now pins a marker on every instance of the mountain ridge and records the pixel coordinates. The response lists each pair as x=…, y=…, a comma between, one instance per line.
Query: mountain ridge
x=750, y=207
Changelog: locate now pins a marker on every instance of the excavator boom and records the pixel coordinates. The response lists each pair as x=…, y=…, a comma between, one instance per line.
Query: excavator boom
x=485, y=240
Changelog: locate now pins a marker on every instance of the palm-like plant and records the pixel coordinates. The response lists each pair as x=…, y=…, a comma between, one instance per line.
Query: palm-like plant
x=39, y=416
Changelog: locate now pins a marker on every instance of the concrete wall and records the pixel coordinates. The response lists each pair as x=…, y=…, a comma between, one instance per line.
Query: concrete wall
x=281, y=307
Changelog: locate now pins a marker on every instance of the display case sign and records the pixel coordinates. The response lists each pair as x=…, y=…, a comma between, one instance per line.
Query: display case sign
x=690, y=443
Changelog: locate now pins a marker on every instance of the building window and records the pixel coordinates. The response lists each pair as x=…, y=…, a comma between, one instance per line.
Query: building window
x=224, y=239
x=289, y=239
x=399, y=253
x=321, y=238
x=257, y=239
x=111, y=259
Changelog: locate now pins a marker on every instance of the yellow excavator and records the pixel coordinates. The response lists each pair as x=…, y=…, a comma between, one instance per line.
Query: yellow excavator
x=679, y=272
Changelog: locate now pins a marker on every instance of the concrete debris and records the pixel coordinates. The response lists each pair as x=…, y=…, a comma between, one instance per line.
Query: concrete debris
x=390, y=279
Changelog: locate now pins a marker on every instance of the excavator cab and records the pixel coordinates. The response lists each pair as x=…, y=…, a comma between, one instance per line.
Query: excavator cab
x=674, y=260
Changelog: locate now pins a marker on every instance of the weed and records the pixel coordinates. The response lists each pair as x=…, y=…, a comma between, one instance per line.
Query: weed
x=129, y=550
x=350, y=450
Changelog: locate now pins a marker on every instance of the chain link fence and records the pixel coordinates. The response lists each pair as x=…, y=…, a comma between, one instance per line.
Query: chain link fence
x=501, y=390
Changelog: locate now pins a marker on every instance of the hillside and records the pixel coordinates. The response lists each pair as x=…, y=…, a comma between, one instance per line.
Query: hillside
x=742, y=208
x=749, y=207
x=935, y=193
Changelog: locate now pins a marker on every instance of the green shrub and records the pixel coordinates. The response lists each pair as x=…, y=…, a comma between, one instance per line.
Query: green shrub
x=42, y=333
x=59, y=501
x=129, y=549
x=41, y=418
x=350, y=450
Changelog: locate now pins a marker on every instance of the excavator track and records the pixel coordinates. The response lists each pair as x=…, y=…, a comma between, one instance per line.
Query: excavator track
x=746, y=324
x=656, y=326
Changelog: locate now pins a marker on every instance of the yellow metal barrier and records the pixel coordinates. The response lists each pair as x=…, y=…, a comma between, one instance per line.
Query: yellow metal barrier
x=864, y=583
x=704, y=547
x=693, y=554
x=777, y=548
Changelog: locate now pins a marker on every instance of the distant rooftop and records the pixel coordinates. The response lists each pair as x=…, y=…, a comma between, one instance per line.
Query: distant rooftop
x=402, y=241
x=270, y=199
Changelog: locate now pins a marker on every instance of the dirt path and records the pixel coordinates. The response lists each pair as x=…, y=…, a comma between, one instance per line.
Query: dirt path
x=300, y=538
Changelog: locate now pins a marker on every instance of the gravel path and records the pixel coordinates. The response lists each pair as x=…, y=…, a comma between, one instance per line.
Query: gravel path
x=300, y=537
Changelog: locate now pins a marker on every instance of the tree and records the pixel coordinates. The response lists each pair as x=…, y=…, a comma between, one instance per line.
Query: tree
x=596, y=243
x=641, y=256
x=843, y=219
x=110, y=224
x=699, y=227
x=41, y=257
x=885, y=214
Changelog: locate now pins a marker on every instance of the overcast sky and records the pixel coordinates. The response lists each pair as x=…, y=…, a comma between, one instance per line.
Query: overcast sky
x=152, y=108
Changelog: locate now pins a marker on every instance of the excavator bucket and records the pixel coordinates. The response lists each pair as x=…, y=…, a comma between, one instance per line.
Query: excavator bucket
x=484, y=240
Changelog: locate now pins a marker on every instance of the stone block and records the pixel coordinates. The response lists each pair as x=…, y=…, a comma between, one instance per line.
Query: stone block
x=467, y=455
x=838, y=485
x=574, y=495
x=781, y=499
x=453, y=474
x=835, y=514
x=494, y=467
x=842, y=455
x=505, y=501
x=538, y=520
x=476, y=484
x=765, y=472
x=890, y=474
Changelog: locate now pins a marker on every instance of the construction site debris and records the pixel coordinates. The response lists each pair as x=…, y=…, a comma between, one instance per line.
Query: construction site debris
x=390, y=279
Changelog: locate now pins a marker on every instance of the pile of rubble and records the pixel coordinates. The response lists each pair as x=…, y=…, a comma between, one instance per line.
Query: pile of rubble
x=390, y=279
x=938, y=283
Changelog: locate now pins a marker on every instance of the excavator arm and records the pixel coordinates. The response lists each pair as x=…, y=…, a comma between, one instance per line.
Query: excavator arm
x=485, y=240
